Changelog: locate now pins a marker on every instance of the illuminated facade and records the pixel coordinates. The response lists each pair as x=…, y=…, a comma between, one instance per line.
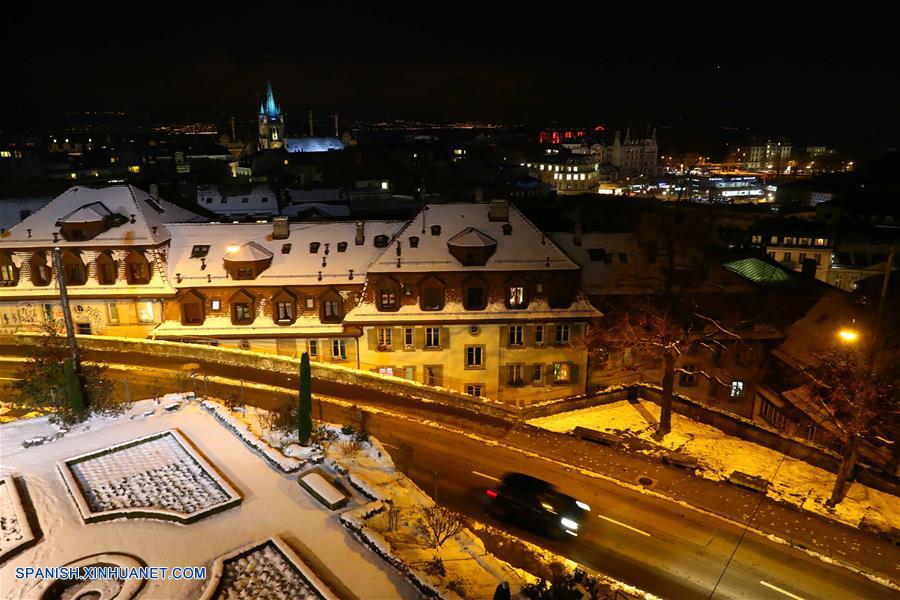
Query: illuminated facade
x=567, y=173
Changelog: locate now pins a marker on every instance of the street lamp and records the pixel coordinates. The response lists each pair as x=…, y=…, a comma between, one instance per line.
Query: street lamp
x=848, y=336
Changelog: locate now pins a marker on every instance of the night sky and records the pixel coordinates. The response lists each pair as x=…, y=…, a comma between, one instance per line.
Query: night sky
x=689, y=67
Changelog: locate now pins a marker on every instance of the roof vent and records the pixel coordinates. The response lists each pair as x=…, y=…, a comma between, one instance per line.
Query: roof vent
x=342, y=246
x=381, y=241
x=351, y=275
x=499, y=211
x=413, y=241
x=280, y=228
x=435, y=230
x=132, y=218
x=360, y=233
x=313, y=247
x=285, y=248
x=507, y=230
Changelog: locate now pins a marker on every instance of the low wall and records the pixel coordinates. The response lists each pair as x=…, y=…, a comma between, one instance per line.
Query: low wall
x=105, y=348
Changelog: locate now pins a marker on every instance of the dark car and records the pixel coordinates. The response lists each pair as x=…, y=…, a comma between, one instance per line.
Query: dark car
x=536, y=504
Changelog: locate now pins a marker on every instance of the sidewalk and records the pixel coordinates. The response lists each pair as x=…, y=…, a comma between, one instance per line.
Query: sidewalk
x=799, y=528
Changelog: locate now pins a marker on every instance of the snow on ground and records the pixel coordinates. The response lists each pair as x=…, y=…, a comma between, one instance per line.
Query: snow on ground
x=14, y=528
x=273, y=505
x=154, y=473
x=719, y=454
x=470, y=570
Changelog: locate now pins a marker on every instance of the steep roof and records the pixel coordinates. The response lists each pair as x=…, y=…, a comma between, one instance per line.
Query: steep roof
x=524, y=248
x=145, y=218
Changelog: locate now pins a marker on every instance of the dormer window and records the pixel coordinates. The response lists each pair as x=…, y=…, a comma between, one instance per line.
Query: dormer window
x=106, y=269
x=431, y=293
x=9, y=274
x=331, y=307
x=515, y=296
x=381, y=241
x=472, y=247
x=413, y=241
x=137, y=269
x=474, y=293
x=243, y=307
x=248, y=261
x=314, y=247
x=435, y=230
x=40, y=270
x=192, y=308
x=284, y=306
x=73, y=269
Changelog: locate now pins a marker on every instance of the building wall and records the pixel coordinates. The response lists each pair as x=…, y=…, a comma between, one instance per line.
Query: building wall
x=114, y=317
x=410, y=362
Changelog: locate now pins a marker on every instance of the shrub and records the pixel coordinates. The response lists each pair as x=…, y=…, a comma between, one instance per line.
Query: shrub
x=457, y=586
x=350, y=448
x=439, y=524
x=435, y=567
x=348, y=429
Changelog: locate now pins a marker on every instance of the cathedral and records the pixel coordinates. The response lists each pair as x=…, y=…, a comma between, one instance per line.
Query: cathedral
x=271, y=123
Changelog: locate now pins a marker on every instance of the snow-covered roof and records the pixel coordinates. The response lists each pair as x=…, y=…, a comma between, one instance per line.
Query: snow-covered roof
x=611, y=263
x=524, y=248
x=249, y=252
x=455, y=312
x=89, y=213
x=144, y=219
x=255, y=199
x=299, y=196
x=12, y=209
x=292, y=261
x=330, y=210
x=472, y=238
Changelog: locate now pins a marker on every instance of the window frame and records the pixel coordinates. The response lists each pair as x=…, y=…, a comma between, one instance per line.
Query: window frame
x=432, y=338
x=339, y=344
x=473, y=352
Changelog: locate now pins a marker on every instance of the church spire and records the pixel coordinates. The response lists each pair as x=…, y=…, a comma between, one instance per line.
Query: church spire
x=272, y=110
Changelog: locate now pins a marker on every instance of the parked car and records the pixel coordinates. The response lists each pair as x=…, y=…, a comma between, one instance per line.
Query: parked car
x=535, y=504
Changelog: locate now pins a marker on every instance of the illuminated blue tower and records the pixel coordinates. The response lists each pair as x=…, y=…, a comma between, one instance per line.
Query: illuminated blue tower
x=271, y=122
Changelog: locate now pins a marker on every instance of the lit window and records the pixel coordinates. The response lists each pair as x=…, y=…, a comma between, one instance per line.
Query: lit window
x=339, y=349
x=516, y=296
x=145, y=312
x=561, y=372
x=384, y=336
x=737, y=390
x=310, y=302
x=216, y=304
x=474, y=357
x=7, y=273
x=432, y=337
x=388, y=298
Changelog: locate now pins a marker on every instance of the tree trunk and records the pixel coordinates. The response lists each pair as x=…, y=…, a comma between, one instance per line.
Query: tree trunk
x=848, y=463
x=665, y=403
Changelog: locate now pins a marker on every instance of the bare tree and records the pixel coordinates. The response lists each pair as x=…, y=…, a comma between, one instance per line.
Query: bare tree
x=440, y=524
x=861, y=401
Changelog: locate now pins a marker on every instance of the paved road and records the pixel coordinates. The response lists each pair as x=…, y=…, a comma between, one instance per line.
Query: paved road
x=658, y=546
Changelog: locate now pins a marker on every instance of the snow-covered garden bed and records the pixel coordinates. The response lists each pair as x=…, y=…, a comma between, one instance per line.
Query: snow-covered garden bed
x=283, y=454
x=264, y=570
x=159, y=476
x=114, y=589
x=719, y=455
x=15, y=531
x=322, y=489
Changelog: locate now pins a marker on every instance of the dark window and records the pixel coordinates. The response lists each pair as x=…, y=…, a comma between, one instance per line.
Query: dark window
x=381, y=241
x=687, y=377
x=242, y=313
x=83, y=328
x=139, y=272
x=435, y=230
x=313, y=247
x=331, y=309
x=244, y=273
x=474, y=298
x=192, y=312
x=507, y=229
x=432, y=337
x=199, y=251
x=285, y=248
x=515, y=335
x=432, y=298
x=342, y=246
x=597, y=254
x=75, y=274
x=474, y=356
x=106, y=273
x=623, y=258
x=413, y=241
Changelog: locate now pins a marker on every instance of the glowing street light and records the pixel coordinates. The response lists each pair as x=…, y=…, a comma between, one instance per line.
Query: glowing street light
x=848, y=336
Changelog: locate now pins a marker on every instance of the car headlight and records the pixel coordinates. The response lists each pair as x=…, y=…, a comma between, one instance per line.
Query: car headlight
x=582, y=505
x=568, y=523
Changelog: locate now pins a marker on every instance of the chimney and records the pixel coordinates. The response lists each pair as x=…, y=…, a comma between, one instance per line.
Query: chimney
x=337, y=129
x=576, y=237
x=154, y=191
x=280, y=228
x=479, y=195
x=310, y=118
x=360, y=233
x=499, y=211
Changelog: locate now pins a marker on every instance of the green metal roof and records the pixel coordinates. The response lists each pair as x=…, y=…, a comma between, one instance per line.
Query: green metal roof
x=761, y=272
